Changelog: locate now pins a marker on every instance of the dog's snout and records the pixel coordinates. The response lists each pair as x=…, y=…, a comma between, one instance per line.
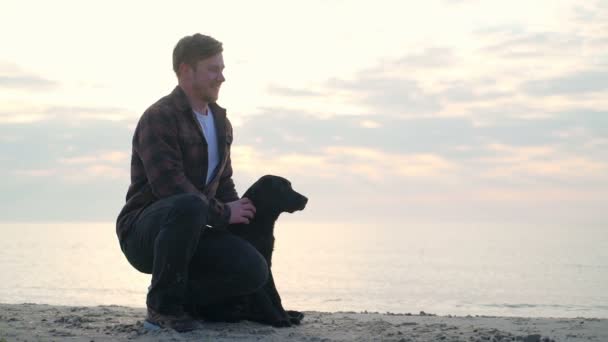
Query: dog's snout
x=303, y=201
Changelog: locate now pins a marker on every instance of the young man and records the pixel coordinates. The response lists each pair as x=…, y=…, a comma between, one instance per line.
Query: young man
x=182, y=195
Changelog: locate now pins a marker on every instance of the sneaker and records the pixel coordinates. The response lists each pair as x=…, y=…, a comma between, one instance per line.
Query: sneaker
x=180, y=323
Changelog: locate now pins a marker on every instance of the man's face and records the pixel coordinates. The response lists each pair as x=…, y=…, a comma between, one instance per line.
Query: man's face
x=207, y=78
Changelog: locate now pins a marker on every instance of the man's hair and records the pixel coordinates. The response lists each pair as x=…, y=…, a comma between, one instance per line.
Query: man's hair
x=192, y=49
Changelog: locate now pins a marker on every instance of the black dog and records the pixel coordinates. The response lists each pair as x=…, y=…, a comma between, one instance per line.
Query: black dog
x=271, y=195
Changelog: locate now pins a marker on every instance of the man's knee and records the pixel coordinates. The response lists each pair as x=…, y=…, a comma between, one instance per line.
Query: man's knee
x=190, y=208
x=255, y=273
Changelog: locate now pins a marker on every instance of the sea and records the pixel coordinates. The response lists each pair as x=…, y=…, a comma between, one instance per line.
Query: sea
x=444, y=269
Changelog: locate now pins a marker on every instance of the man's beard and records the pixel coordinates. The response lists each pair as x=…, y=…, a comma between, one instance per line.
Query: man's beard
x=209, y=96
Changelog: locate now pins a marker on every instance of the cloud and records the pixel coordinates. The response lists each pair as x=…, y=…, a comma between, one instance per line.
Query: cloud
x=53, y=144
x=97, y=167
x=435, y=57
x=596, y=143
x=594, y=12
x=62, y=170
x=541, y=161
x=433, y=128
x=458, y=2
x=533, y=44
x=395, y=96
x=35, y=173
x=343, y=162
x=85, y=112
x=105, y=156
x=566, y=63
x=281, y=131
x=292, y=92
x=438, y=82
x=572, y=84
x=13, y=117
x=26, y=113
x=26, y=82
x=13, y=77
x=508, y=154
x=380, y=166
x=370, y=124
x=472, y=91
x=392, y=86
x=81, y=173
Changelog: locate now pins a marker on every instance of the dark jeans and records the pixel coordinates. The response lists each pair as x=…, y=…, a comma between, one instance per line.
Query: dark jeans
x=190, y=264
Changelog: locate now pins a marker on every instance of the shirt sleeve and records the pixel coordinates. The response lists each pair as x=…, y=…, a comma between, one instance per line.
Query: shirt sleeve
x=226, y=190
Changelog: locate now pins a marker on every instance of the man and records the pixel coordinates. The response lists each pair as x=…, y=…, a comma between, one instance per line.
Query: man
x=182, y=196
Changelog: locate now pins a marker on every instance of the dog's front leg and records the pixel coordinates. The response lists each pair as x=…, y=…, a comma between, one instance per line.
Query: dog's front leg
x=294, y=317
x=264, y=311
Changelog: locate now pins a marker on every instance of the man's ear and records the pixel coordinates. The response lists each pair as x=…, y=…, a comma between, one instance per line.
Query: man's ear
x=184, y=70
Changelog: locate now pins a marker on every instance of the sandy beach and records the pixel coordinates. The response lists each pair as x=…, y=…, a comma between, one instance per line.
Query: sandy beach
x=38, y=322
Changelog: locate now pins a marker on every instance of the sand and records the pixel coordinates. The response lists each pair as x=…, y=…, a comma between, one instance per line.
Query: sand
x=37, y=322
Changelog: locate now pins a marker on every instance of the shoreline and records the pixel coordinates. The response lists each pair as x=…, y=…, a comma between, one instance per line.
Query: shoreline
x=41, y=322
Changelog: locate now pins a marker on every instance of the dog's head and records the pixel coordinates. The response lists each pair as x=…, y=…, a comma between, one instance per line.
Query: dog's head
x=274, y=194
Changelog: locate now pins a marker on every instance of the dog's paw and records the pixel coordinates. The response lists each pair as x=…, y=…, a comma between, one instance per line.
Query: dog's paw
x=295, y=317
x=223, y=312
x=283, y=323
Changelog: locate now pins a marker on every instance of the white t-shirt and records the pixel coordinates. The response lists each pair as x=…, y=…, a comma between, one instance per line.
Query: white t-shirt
x=208, y=127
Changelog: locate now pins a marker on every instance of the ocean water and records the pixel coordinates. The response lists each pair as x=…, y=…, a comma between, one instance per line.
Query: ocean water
x=476, y=269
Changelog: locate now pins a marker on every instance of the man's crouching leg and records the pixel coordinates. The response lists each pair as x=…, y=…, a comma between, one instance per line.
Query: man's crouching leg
x=163, y=242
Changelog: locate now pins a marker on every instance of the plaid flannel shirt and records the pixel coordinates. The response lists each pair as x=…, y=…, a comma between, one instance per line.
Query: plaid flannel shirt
x=169, y=157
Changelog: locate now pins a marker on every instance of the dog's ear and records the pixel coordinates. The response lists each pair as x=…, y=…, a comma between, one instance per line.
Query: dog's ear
x=256, y=191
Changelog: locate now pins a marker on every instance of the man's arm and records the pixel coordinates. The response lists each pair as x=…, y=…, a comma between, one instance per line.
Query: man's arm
x=242, y=210
x=226, y=191
x=156, y=143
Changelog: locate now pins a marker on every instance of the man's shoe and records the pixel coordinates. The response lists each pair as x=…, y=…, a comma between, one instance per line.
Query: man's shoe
x=180, y=322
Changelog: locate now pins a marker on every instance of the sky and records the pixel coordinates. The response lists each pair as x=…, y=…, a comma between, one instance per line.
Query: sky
x=381, y=112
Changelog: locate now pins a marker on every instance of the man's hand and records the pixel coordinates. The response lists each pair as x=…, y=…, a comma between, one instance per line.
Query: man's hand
x=241, y=211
